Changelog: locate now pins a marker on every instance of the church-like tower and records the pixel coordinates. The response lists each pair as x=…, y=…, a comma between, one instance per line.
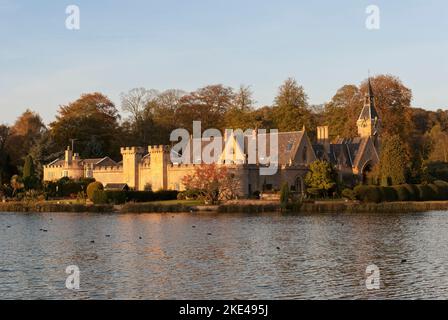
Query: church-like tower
x=369, y=121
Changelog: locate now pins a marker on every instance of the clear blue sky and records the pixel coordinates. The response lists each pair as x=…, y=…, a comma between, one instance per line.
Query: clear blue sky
x=187, y=44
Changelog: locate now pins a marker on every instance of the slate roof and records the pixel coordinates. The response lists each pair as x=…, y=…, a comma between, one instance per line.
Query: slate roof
x=116, y=186
x=368, y=111
x=288, y=144
x=107, y=162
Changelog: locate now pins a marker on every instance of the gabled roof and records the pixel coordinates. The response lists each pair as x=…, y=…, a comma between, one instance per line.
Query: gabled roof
x=116, y=186
x=288, y=145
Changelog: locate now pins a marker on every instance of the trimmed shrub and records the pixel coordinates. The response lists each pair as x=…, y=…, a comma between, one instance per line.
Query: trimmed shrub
x=403, y=193
x=165, y=195
x=99, y=197
x=116, y=197
x=140, y=196
x=388, y=194
x=149, y=196
x=92, y=187
x=349, y=194
x=368, y=194
x=425, y=192
x=436, y=193
x=443, y=189
x=414, y=193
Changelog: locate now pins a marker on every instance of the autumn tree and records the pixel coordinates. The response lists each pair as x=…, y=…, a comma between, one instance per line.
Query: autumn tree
x=438, y=140
x=6, y=168
x=212, y=182
x=208, y=105
x=291, y=110
x=393, y=103
x=240, y=114
x=394, y=161
x=263, y=118
x=93, y=121
x=24, y=134
x=342, y=112
x=164, y=110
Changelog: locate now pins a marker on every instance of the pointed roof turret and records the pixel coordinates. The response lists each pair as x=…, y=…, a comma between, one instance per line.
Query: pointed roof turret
x=368, y=111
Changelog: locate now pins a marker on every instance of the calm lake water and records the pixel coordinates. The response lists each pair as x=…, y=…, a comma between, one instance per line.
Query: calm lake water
x=225, y=256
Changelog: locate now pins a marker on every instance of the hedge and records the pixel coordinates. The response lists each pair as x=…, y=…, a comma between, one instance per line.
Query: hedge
x=121, y=197
x=403, y=194
x=66, y=187
x=422, y=192
x=413, y=192
x=368, y=194
x=388, y=194
x=443, y=188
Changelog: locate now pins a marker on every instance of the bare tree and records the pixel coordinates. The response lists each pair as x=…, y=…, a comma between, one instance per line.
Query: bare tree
x=136, y=100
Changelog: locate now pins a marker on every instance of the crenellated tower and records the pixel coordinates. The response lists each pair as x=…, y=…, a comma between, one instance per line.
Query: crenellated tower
x=160, y=159
x=131, y=160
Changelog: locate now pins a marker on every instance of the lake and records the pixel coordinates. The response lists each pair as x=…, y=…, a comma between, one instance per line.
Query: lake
x=223, y=256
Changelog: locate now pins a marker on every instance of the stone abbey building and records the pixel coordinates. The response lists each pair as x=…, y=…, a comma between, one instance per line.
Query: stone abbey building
x=142, y=169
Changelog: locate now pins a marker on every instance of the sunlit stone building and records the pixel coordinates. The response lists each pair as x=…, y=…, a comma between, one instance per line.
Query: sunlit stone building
x=142, y=168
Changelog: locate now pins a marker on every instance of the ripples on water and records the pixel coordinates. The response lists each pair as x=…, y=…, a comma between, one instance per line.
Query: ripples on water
x=225, y=256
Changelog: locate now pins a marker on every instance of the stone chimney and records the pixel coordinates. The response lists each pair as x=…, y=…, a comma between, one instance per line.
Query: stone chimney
x=68, y=157
x=323, y=138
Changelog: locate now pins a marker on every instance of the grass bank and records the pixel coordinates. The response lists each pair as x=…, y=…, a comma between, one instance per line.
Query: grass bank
x=53, y=207
x=253, y=207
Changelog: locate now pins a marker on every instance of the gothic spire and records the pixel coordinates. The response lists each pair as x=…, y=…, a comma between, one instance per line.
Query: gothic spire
x=368, y=111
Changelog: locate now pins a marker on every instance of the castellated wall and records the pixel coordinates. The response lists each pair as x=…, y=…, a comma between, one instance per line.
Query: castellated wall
x=176, y=173
x=107, y=175
x=145, y=176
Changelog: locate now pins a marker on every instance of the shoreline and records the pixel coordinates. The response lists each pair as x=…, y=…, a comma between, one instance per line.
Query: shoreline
x=310, y=208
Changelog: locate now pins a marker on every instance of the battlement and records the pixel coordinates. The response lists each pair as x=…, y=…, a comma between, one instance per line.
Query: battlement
x=159, y=149
x=108, y=169
x=132, y=150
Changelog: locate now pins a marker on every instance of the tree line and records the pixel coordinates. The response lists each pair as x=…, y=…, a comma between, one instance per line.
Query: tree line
x=414, y=140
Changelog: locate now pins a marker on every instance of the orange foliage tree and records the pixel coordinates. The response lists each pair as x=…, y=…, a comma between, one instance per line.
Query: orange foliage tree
x=212, y=183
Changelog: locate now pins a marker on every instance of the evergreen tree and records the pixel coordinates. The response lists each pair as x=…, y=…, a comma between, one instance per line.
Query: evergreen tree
x=393, y=162
x=291, y=110
x=28, y=168
x=284, y=195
